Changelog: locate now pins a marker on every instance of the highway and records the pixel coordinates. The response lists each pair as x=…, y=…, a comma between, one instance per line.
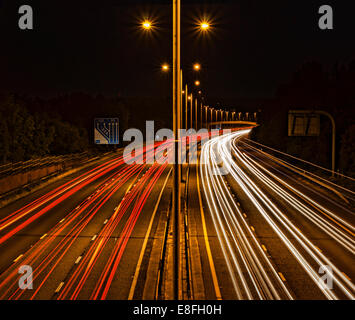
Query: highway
x=83, y=235
x=254, y=228
x=277, y=231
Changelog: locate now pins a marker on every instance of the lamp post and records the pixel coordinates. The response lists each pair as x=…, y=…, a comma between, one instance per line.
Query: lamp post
x=177, y=119
x=176, y=126
x=186, y=105
x=191, y=110
x=201, y=123
x=181, y=101
x=196, y=113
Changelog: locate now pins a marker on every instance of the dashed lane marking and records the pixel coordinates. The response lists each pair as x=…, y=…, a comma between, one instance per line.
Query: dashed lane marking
x=78, y=260
x=18, y=258
x=282, y=277
x=59, y=287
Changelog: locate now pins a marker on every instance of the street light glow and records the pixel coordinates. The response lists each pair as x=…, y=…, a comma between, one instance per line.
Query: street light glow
x=197, y=83
x=197, y=66
x=165, y=67
x=147, y=25
x=204, y=26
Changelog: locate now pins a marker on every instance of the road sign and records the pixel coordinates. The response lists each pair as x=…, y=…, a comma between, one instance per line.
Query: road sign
x=303, y=124
x=106, y=131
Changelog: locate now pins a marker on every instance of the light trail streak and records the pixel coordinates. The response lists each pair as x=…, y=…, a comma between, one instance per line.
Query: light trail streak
x=67, y=192
x=63, y=192
x=342, y=238
x=232, y=230
x=239, y=245
x=109, y=186
x=36, y=253
x=49, y=251
x=86, y=265
x=320, y=180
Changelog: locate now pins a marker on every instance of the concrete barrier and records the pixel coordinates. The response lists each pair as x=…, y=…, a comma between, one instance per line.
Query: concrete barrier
x=18, y=180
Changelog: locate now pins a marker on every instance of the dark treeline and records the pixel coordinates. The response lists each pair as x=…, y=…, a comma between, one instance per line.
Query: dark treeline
x=32, y=127
x=25, y=134
x=312, y=87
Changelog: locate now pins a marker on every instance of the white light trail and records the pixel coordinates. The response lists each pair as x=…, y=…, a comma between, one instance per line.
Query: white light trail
x=240, y=247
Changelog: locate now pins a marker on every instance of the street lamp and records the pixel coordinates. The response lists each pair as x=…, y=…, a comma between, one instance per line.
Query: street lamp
x=204, y=25
x=197, y=83
x=197, y=67
x=165, y=67
x=146, y=25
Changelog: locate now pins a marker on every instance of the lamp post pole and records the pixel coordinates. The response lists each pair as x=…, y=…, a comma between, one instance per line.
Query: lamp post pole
x=206, y=116
x=191, y=110
x=196, y=114
x=201, y=124
x=176, y=127
x=181, y=101
x=186, y=106
x=331, y=118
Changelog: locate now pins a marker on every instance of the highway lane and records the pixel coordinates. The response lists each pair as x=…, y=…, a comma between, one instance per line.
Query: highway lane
x=210, y=277
x=78, y=245
x=275, y=233
x=13, y=246
x=317, y=213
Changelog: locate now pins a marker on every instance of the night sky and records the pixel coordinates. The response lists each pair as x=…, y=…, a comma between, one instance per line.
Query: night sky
x=97, y=46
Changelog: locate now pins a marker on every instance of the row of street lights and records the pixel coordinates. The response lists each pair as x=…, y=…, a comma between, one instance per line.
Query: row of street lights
x=188, y=98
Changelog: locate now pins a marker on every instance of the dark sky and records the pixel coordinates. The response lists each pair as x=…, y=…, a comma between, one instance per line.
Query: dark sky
x=96, y=46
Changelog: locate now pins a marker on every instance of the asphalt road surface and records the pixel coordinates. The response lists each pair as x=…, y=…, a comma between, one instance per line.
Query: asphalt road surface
x=254, y=228
x=273, y=233
x=83, y=236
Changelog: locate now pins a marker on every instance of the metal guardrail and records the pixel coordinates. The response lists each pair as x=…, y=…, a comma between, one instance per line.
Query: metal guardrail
x=23, y=166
